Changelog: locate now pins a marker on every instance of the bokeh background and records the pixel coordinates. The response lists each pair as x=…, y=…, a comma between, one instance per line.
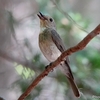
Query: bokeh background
x=21, y=60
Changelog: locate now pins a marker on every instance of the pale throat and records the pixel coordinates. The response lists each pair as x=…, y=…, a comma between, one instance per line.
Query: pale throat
x=42, y=28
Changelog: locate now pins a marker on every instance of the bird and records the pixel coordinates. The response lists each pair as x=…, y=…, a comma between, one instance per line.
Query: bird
x=52, y=46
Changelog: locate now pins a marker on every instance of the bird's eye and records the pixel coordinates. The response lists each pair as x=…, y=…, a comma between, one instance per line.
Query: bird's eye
x=51, y=19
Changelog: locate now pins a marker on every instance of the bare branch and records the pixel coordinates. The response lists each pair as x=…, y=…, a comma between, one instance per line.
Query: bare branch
x=68, y=52
x=67, y=16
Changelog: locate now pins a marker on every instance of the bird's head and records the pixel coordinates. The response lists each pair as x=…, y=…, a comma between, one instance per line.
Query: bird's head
x=46, y=21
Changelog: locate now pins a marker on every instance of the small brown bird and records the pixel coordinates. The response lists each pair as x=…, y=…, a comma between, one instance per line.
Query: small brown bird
x=52, y=46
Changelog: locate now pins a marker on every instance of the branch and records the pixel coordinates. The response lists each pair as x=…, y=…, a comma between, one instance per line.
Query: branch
x=50, y=67
x=67, y=16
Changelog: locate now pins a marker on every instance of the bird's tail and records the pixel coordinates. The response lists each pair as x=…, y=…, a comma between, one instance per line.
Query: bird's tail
x=67, y=71
x=74, y=87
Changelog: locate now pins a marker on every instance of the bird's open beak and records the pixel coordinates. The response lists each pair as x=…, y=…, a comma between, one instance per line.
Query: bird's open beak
x=41, y=16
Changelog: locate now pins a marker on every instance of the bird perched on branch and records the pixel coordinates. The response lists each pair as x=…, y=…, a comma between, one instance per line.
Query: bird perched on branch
x=52, y=46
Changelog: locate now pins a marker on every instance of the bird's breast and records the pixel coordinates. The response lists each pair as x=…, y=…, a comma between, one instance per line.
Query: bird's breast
x=48, y=47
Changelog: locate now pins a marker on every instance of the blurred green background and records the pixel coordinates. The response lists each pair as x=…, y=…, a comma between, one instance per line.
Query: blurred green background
x=22, y=61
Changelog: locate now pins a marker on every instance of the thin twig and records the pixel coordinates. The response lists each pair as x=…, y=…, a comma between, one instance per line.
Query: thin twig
x=74, y=49
x=68, y=16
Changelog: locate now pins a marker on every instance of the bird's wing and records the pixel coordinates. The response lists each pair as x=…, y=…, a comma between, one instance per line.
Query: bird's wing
x=65, y=65
x=59, y=43
x=57, y=40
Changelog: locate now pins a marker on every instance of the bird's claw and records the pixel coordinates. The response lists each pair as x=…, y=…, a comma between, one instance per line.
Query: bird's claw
x=48, y=66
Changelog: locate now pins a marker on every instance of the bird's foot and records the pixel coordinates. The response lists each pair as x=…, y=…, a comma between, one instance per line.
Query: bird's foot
x=48, y=66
